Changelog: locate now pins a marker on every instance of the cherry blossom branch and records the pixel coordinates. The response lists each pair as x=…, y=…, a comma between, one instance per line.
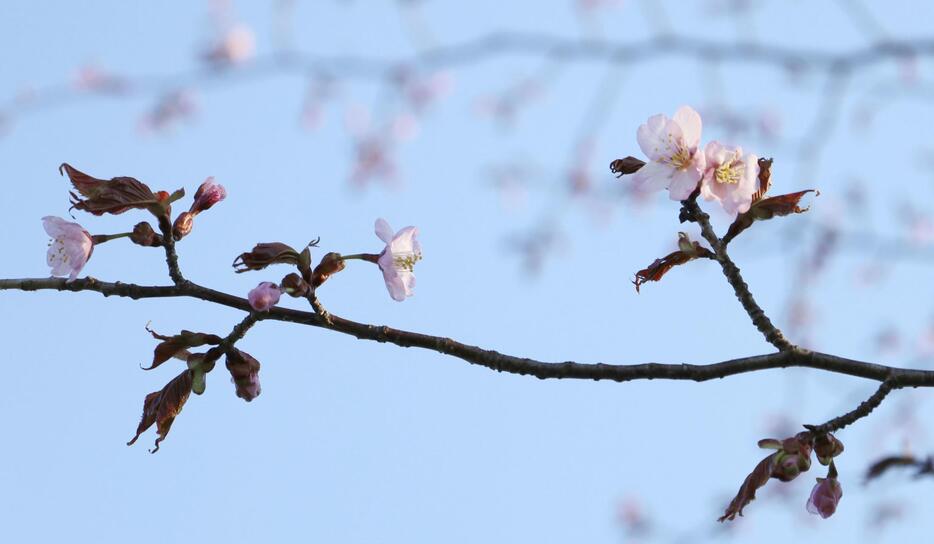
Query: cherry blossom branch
x=494, y=360
x=762, y=322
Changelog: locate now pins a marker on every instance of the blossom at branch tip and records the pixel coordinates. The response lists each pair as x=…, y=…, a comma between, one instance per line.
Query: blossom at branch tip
x=730, y=177
x=207, y=195
x=70, y=248
x=675, y=161
x=264, y=296
x=398, y=260
x=825, y=497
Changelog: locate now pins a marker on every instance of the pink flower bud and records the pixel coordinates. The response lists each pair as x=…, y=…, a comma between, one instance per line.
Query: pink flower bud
x=183, y=225
x=70, y=249
x=264, y=296
x=824, y=497
x=208, y=194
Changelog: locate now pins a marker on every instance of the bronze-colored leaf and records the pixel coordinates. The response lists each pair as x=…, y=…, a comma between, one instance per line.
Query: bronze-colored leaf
x=265, y=254
x=660, y=267
x=114, y=196
x=161, y=407
x=628, y=165
x=765, y=179
x=747, y=492
x=767, y=209
x=178, y=344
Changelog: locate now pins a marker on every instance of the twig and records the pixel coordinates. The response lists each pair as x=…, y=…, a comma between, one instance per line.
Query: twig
x=733, y=276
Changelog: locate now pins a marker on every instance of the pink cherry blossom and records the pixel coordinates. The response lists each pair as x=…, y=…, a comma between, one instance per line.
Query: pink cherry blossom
x=671, y=145
x=398, y=260
x=70, y=249
x=824, y=497
x=207, y=195
x=730, y=178
x=264, y=296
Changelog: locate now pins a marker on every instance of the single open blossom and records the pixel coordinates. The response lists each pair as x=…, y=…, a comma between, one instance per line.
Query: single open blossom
x=675, y=162
x=824, y=497
x=207, y=195
x=398, y=260
x=70, y=249
x=730, y=178
x=264, y=296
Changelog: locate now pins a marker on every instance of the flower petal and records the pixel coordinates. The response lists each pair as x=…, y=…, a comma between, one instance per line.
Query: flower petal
x=654, y=176
x=383, y=230
x=690, y=123
x=658, y=136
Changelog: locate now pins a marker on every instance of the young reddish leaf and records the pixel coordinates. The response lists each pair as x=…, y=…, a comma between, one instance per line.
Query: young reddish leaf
x=161, y=407
x=114, y=196
x=688, y=252
x=747, y=492
x=767, y=209
x=628, y=165
x=765, y=179
x=178, y=344
x=265, y=254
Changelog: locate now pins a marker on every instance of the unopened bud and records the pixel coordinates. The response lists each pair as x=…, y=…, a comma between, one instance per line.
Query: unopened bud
x=826, y=446
x=330, y=264
x=294, y=285
x=144, y=235
x=208, y=194
x=183, y=225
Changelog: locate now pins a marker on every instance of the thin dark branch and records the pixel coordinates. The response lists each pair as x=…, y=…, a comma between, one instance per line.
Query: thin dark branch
x=733, y=276
x=864, y=409
x=797, y=357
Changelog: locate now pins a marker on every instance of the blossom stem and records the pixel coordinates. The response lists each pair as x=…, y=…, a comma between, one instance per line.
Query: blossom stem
x=101, y=238
x=370, y=257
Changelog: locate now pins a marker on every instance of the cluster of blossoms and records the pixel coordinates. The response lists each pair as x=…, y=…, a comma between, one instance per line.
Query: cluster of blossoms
x=677, y=163
x=71, y=248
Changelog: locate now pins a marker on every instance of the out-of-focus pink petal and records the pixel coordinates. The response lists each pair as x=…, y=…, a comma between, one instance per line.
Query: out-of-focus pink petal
x=683, y=183
x=264, y=296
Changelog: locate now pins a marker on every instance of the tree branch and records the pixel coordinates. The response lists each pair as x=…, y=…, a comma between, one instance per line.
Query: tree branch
x=733, y=276
x=494, y=360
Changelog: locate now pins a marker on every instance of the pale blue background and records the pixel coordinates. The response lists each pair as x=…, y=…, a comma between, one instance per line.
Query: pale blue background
x=360, y=442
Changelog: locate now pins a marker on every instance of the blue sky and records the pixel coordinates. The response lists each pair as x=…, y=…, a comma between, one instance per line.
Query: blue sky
x=353, y=441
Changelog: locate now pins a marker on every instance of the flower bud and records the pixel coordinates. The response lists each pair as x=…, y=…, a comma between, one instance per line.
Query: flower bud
x=826, y=446
x=330, y=264
x=208, y=194
x=183, y=225
x=144, y=235
x=264, y=296
x=294, y=285
x=825, y=497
